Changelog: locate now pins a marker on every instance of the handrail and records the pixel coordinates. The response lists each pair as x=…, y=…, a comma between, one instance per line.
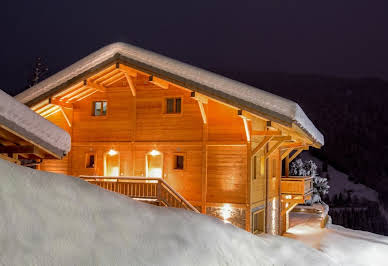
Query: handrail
x=134, y=178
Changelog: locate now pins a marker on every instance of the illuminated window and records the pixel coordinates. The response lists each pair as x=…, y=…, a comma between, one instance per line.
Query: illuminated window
x=179, y=162
x=99, y=108
x=258, y=222
x=90, y=160
x=173, y=105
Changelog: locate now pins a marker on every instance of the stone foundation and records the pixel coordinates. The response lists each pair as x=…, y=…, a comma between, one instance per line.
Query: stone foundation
x=236, y=215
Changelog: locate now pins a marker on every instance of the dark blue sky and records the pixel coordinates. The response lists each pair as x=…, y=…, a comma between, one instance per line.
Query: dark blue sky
x=342, y=38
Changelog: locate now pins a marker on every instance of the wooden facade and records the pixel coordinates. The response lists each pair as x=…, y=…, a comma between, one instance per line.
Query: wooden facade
x=232, y=159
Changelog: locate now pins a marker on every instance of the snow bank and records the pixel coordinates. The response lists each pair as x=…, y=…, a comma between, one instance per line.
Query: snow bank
x=21, y=119
x=51, y=219
x=344, y=246
x=215, y=84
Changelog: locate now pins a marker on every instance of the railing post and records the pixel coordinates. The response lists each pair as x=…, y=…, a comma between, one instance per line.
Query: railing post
x=158, y=191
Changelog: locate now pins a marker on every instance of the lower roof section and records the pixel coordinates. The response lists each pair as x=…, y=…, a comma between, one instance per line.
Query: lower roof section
x=235, y=93
x=17, y=119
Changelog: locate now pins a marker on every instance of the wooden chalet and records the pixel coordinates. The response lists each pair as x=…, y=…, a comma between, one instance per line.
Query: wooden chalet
x=168, y=133
x=27, y=138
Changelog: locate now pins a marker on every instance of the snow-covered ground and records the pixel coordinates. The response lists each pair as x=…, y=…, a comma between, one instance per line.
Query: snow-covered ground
x=51, y=219
x=344, y=246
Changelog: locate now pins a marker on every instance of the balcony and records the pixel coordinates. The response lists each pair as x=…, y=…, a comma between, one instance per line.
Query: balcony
x=296, y=189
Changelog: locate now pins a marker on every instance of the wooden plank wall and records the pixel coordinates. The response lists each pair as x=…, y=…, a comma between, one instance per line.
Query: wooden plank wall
x=216, y=154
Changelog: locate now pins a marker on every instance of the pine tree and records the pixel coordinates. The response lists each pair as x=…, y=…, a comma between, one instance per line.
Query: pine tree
x=39, y=72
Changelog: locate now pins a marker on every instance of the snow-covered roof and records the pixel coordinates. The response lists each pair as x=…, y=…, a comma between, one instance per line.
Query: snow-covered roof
x=233, y=92
x=31, y=126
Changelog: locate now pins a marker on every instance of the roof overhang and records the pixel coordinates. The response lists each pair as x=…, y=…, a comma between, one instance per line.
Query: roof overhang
x=253, y=100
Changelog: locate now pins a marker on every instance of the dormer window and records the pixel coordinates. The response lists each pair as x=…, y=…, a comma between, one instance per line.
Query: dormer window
x=100, y=108
x=173, y=105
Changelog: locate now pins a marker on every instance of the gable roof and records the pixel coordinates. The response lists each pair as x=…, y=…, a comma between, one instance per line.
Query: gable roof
x=238, y=94
x=21, y=120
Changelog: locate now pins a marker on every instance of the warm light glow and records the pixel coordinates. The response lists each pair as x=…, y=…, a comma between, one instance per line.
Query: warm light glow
x=288, y=197
x=274, y=216
x=155, y=172
x=112, y=152
x=226, y=212
x=154, y=152
x=115, y=171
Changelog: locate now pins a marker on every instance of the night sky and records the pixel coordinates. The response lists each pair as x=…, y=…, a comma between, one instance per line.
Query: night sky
x=342, y=38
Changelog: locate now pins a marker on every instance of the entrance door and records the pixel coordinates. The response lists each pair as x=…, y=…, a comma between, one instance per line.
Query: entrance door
x=112, y=163
x=154, y=164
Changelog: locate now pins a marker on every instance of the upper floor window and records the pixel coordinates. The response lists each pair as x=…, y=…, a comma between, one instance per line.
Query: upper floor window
x=99, y=108
x=173, y=105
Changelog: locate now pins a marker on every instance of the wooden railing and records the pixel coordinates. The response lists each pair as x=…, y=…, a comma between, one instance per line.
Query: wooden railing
x=296, y=188
x=142, y=188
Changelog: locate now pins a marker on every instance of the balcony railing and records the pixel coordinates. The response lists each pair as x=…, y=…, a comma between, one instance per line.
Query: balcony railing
x=296, y=189
x=144, y=189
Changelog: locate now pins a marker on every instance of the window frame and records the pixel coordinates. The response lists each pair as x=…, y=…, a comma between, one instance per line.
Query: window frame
x=255, y=214
x=87, y=160
x=102, y=106
x=174, y=113
x=174, y=162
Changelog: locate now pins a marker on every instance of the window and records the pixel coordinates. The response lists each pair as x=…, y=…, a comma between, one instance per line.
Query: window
x=258, y=222
x=99, y=108
x=90, y=160
x=179, y=162
x=173, y=105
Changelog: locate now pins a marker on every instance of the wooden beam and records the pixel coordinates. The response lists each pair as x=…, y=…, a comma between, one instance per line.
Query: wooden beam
x=286, y=153
x=65, y=116
x=88, y=90
x=158, y=82
x=282, y=138
x=66, y=96
x=60, y=103
x=131, y=84
x=52, y=113
x=48, y=111
x=266, y=132
x=199, y=97
x=201, y=100
x=93, y=85
x=298, y=151
x=39, y=105
x=293, y=145
x=245, y=121
x=273, y=149
x=30, y=149
x=287, y=165
x=113, y=79
x=261, y=145
x=129, y=71
x=87, y=95
x=4, y=157
x=17, y=149
x=44, y=108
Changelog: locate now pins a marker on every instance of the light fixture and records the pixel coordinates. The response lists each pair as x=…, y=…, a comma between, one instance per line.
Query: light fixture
x=226, y=212
x=112, y=152
x=155, y=152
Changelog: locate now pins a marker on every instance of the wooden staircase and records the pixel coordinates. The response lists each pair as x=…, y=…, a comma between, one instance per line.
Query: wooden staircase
x=146, y=189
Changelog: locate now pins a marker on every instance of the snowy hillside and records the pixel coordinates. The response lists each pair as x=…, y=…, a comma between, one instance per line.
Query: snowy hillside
x=50, y=219
x=352, y=205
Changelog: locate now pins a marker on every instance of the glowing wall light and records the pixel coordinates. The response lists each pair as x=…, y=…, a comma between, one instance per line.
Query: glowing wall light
x=226, y=212
x=155, y=152
x=112, y=152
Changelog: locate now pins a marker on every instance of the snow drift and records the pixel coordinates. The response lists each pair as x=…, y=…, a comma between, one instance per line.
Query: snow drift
x=51, y=219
